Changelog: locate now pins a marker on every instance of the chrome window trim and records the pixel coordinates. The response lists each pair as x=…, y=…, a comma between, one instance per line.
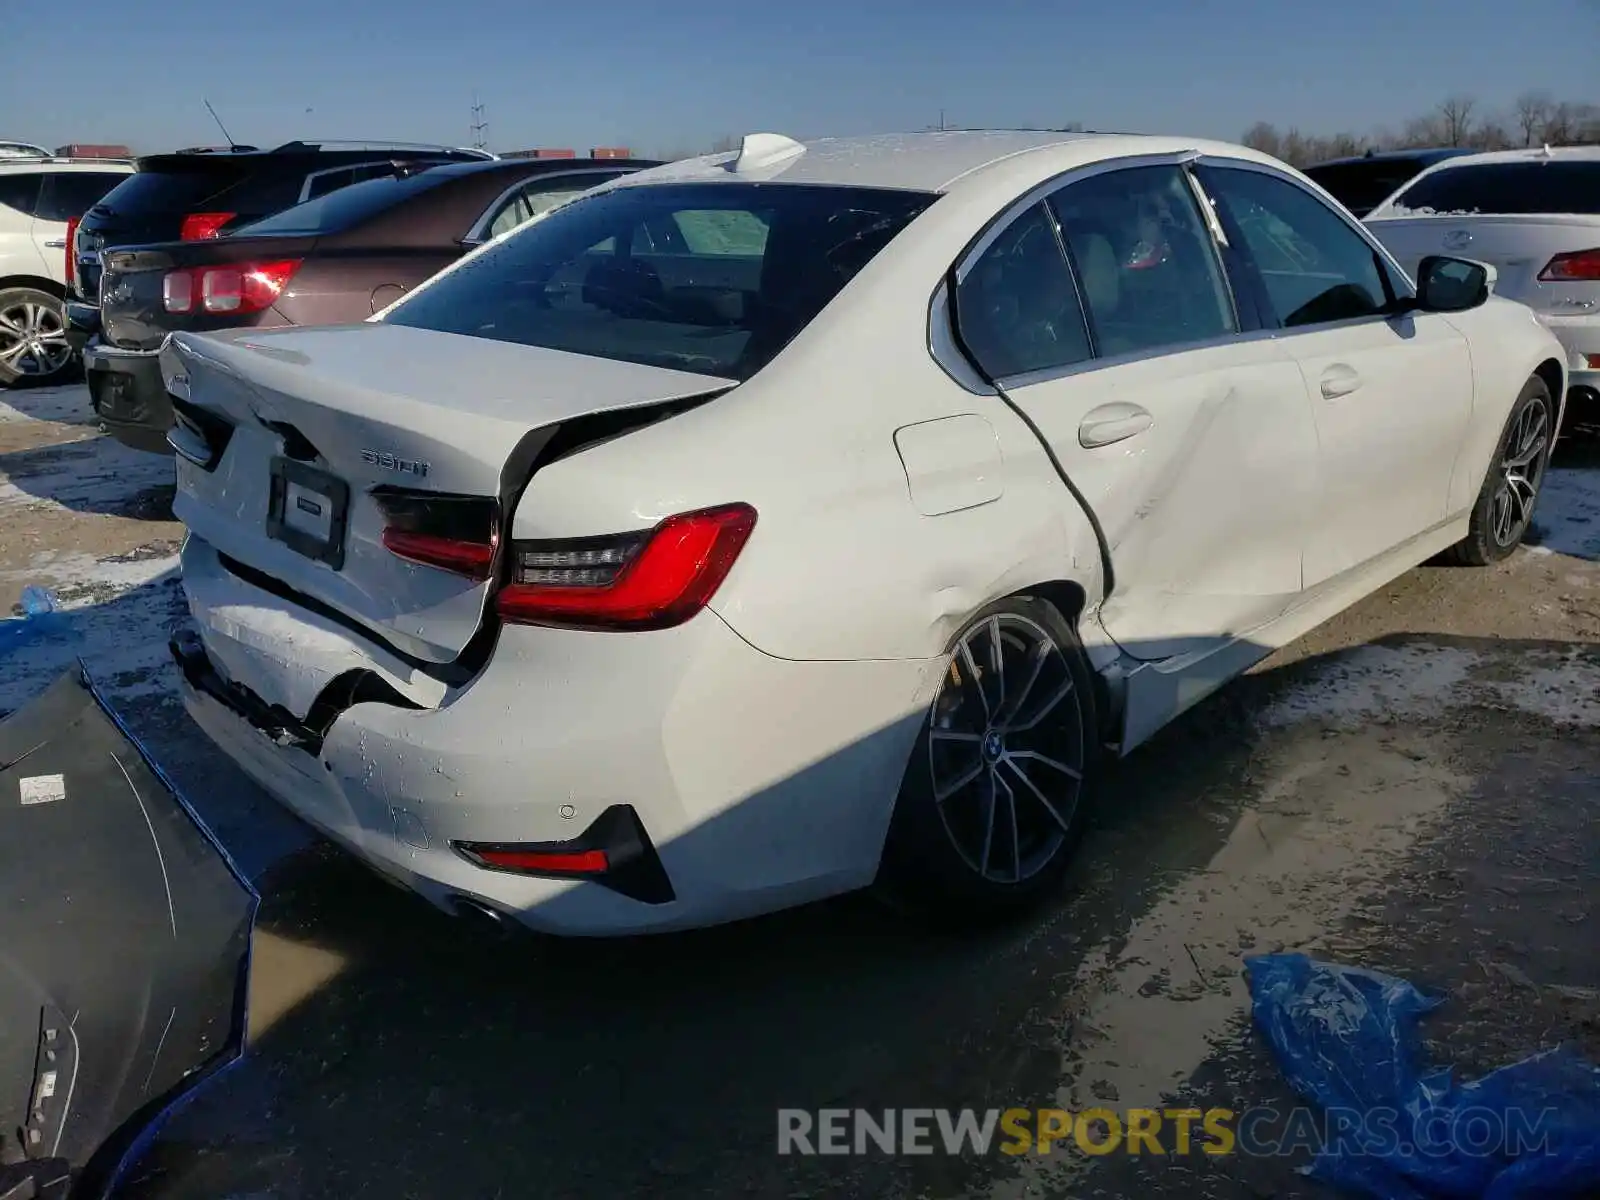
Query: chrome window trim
x=480, y=227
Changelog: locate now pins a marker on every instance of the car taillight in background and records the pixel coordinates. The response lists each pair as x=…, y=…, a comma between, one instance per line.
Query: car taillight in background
x=72, y=251
x=199, y=227
x=653, y=579
x=242, y=288
x=1578, y=266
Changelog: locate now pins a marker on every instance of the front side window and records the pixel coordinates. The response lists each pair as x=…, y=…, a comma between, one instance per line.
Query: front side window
x=1146, y=261
x=573, y=280
x=1314, y=266
x=1017, y=306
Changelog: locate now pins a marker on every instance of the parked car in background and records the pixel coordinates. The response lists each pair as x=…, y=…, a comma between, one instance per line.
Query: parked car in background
x=1534, y=216
x=1364, y=182
x=40, y=200
x=771, y=524
x=22, y=150
x=335, y=259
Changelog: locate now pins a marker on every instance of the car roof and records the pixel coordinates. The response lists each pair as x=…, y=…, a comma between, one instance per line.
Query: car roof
x=935, y=161
x=116, y=166
x=1525, y=154
x=1427, y=156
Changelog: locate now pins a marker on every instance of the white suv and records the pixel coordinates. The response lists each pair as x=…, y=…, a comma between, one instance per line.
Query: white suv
x=40, y=199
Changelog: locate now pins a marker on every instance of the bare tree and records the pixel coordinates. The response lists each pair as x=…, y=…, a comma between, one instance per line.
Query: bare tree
x=1264, y=136
x=1533, y=110
x=723, y=144
x=1455, y=119
x=1421, y=131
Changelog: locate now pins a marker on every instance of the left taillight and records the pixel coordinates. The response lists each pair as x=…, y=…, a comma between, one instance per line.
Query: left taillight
x=240, y=288
x=72, y=251
x=1578, y=266
x=651, y=579
x=453, y=533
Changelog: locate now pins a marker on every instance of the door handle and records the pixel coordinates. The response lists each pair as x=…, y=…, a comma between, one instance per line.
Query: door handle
x=1339, y=380
x=56, y=244
x=1110, y=423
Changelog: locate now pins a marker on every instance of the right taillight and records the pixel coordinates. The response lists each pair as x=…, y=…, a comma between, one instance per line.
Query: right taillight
x=1578, y=266
x=242, y=288
x=202, y=226
x=72, y=251
x=650, y=579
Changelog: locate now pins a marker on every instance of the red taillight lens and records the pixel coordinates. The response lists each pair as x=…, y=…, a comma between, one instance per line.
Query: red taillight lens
x=543, y=862
x=72, y=250
x=1580, y=266
x=649, y=580
x=242, y=288
x=199, y=227
x=472, y=559
x=437, y=529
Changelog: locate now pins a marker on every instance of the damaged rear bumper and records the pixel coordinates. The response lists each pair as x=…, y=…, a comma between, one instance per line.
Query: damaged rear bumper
x=748, y=783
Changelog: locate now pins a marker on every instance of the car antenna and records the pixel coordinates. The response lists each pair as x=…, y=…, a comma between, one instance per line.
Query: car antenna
x=232, y=145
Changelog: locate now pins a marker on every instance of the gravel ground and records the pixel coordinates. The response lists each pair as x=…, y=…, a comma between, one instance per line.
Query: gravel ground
x=1411, y=787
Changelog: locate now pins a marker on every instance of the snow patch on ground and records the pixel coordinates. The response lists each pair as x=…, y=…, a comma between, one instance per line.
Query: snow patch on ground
x=1373, y=684
x=1567, y=520
x=68, y=405
x=79, y=580
x=94, y=475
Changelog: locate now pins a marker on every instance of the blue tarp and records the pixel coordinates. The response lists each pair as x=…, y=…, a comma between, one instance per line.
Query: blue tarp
x=1347, y=1040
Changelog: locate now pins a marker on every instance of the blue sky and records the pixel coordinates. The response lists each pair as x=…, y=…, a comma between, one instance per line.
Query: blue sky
x=674, y=75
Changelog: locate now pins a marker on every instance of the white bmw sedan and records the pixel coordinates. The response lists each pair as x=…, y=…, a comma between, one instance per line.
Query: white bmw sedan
x=813, y=516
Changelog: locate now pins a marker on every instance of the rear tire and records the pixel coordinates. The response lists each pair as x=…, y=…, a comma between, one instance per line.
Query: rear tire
x=994, y=798
x=33, y=339
x=1510, y=490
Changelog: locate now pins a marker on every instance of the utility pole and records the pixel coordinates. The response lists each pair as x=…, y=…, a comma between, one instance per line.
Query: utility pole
x=478, y=125
x=941, y=120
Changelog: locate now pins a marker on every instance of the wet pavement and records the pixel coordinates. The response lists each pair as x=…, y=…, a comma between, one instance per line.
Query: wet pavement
x=1413, y=787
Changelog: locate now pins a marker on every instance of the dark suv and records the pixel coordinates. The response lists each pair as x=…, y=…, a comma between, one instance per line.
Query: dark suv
x=1363, y=183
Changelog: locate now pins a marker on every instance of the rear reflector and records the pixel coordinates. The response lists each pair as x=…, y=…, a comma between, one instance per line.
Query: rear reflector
x=644, y=580
x=1580, y=266
x=545, y=862
x=72, y=250
x=241, y=288
x=200, y=227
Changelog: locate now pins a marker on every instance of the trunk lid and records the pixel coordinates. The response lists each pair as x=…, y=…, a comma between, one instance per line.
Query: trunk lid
x=338, y=411
x=1518, y=247
x=132, y=313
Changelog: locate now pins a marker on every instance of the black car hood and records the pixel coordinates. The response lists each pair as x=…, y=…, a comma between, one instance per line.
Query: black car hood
x=124, y=945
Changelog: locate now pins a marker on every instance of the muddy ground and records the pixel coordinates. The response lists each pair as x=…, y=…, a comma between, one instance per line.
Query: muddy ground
x=1413, y=787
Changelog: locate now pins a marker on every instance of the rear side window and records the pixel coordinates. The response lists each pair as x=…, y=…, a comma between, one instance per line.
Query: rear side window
x=69, y=194
x=1506, y=188
x=1150, y=274
x=20, y=192
x=1018, y=307
x=770, y=258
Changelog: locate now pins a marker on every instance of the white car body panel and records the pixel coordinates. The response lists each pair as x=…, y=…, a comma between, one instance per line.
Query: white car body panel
x=32, y=246
x=898, y=493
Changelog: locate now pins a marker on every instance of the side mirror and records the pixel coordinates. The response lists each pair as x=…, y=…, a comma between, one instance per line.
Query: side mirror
x=1447, y=284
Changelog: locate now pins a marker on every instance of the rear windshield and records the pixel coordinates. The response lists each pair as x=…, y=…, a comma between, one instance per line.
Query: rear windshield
x=708, y=278
x=161, y=191
x=1365, y=185
x=1511, y=187
x=346, y=207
